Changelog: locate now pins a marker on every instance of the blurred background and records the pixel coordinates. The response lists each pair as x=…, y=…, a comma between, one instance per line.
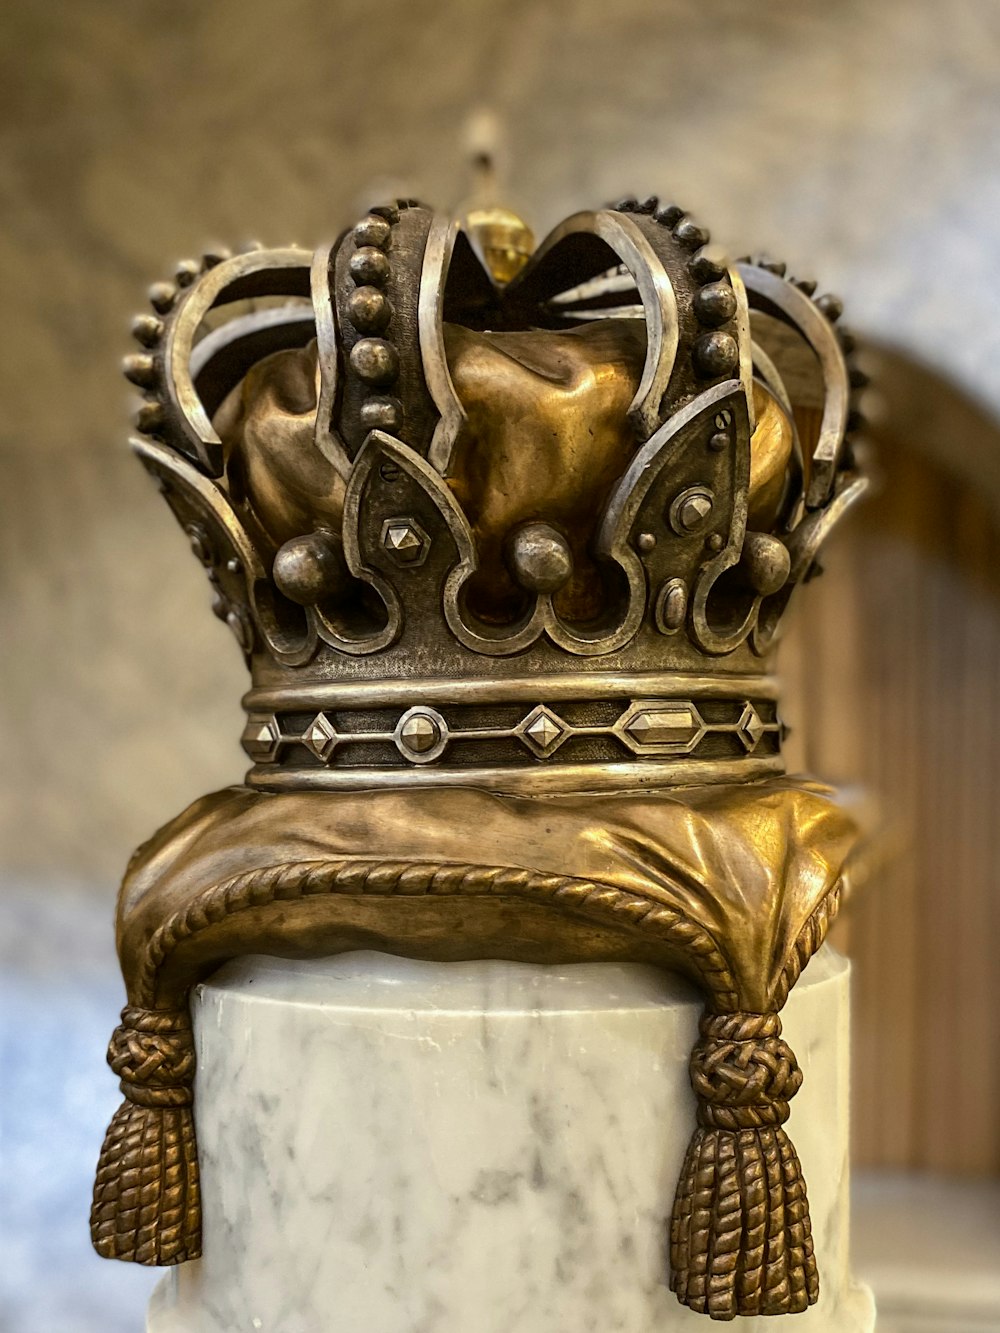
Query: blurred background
x=859, y=142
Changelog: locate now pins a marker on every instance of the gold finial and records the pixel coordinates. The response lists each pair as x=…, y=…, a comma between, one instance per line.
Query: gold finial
x=502, y=238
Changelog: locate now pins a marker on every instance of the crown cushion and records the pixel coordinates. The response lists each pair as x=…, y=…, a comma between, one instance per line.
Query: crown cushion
x=583, y=877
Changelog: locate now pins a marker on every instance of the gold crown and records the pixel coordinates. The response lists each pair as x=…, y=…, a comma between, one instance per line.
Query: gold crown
x=524, y=525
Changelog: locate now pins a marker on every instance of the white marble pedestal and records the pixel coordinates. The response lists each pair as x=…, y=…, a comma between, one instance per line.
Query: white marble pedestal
x=399, y=1147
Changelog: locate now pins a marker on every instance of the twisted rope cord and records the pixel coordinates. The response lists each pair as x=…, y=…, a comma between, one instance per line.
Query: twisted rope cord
x=290, y=881
x=808, y=941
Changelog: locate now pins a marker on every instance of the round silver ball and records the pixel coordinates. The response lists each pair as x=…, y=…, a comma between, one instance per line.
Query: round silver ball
x=539, y=557
x=309, y=569
x=375, y=361
x=715, y=304
x=766, y=562
x=373, y=231
x=369, y=310
x=369, y=266
x=692, y=235
x=381, y=413
x=716, y=354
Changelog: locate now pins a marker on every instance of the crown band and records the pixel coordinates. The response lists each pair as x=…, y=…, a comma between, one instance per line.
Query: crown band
x=600, y=743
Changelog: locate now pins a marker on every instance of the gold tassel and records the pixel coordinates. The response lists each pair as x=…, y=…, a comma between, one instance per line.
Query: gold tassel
x=147, y=1206
x=740, y=1237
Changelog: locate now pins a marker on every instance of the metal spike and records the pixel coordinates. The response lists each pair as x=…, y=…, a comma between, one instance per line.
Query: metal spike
x=149, y=418
x=162, y=296
x=147, y=329
x=831, y=306
x=775, y=266
x=218, y=254
x=186, y=272
x=140, y=369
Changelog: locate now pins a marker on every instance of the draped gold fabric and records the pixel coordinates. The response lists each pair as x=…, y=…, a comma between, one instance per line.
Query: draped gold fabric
x=748, y=864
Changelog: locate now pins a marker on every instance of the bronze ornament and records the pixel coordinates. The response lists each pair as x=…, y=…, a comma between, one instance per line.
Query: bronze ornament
x=505, y=541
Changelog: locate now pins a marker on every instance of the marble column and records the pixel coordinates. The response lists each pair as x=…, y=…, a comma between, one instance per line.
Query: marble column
x=391, y=1146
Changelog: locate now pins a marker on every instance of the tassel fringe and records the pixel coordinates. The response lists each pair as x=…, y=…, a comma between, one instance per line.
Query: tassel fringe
x=740, y=1237
x=147, y=1205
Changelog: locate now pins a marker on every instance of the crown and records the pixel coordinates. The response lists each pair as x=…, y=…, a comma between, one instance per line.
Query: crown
x=475, y=516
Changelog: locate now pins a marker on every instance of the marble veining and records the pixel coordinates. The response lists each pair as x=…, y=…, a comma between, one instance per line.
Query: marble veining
x=484, y=1147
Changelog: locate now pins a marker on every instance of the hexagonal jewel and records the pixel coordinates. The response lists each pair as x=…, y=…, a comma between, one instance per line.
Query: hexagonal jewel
x=320, y=736
x=668, y=728
x=405, y=540
x=750, y=728
x=542, y=730
x=260, y=737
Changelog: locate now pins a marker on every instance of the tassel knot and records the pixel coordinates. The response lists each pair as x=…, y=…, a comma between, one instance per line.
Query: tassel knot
x=742, y=1071
x=153, y=1055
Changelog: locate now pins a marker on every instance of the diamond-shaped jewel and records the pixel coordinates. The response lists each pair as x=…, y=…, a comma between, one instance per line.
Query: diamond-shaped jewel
x=405, y=540
x=750, y=728
x=260, y=738
x=320, y=736
x=662, y=728
x=542, y=730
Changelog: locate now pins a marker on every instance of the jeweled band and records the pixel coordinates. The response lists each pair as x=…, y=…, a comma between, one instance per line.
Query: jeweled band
x=541, y=734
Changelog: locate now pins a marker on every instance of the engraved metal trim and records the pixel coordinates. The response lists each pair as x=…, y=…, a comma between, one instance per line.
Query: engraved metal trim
x=549, y=779
x=552, y=686
x=430, y=307
x=776, y=296
x=178, y=345
x=328, y=442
